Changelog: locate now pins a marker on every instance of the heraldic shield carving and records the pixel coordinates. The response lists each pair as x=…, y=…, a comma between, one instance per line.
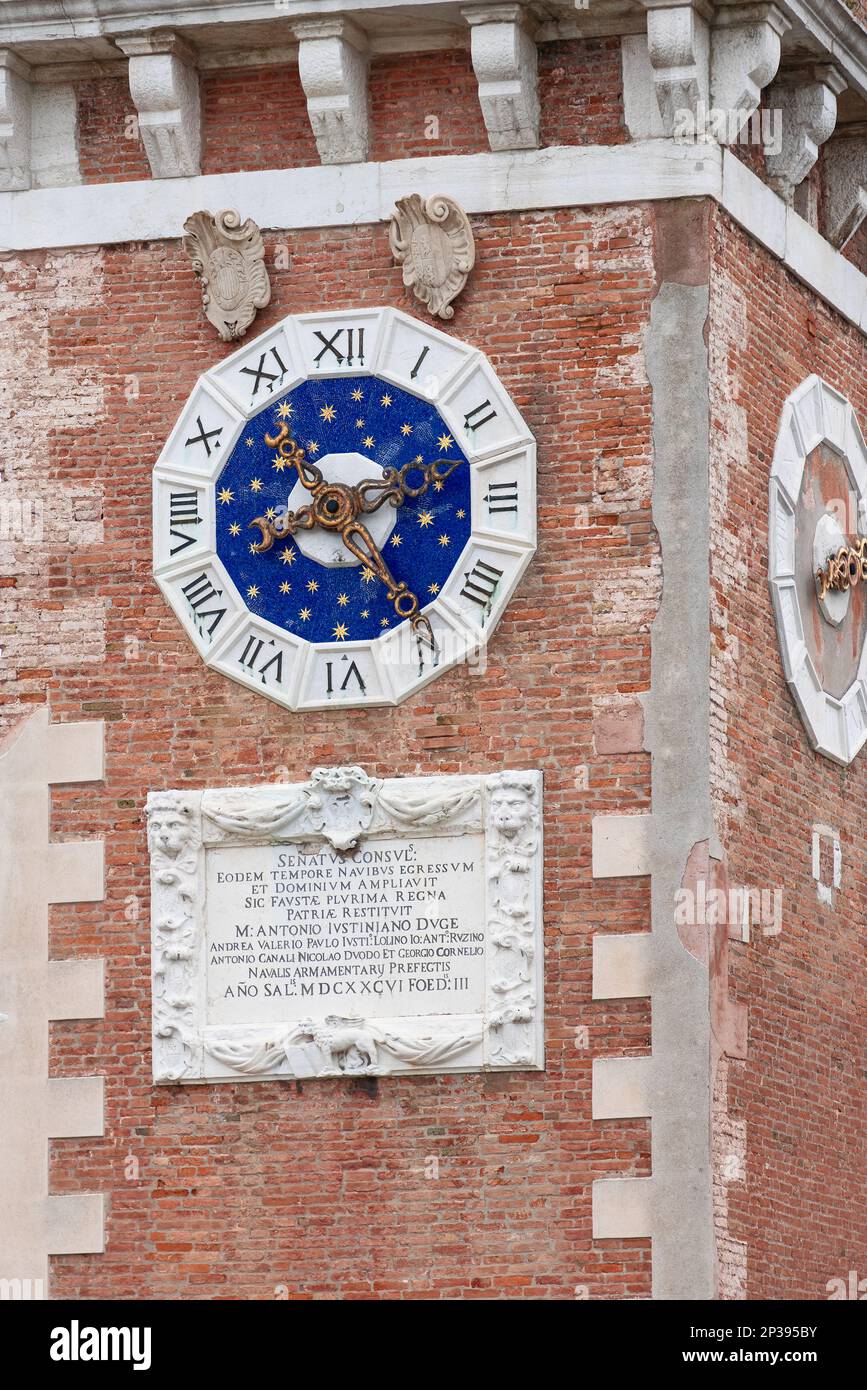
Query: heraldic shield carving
x=433, y=240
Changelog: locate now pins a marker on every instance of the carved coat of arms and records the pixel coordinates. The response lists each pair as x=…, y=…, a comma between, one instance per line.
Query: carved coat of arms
x=433, y=240
x=228, y=257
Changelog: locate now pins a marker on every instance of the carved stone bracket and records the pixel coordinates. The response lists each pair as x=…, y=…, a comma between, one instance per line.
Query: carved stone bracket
x=332, y=822
x=165, y=89
x=15, y=119
x=844, y=163
x=709, y=67
x=745, y=55
x=332, y=63
x=807, y=102
x=678, y=42
x=228, y=256
x=433, y=240
x=505, y=61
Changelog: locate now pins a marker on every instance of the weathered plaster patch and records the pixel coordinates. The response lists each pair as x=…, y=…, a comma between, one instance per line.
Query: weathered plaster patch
x=729, y=550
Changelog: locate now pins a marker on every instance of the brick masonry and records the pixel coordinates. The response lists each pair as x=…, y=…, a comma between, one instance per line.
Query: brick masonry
x=465, y=1186
x=235, y=1191
x=797, y=1198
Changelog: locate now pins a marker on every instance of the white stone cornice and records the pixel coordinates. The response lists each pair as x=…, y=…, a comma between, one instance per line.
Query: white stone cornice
x=165, y=89
x=15, y=122
x=844, y=166
x=514, y=181
x=505, y=61
x=807, y=102
x=332, y=63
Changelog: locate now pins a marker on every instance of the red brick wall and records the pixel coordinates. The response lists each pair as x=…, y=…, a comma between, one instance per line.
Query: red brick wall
x=232, y=1190
x=420, y=104
x=255, y=118
x=581, y=92
x=110, y=148
x=801, y=1210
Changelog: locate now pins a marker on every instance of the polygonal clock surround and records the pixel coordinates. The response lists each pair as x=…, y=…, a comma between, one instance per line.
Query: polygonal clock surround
x=489, y=432
x=813, y=415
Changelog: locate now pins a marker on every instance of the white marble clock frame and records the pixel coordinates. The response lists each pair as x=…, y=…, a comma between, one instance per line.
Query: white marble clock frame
x=411, y=354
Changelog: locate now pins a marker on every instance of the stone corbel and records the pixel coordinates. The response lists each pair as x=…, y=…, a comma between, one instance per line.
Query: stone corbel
x=844, y=162
x=678, y=44
x=332, y=63
x=505, y=61
x=164, y=85
x=745, y=54
x=806, y=103
x=15, y=118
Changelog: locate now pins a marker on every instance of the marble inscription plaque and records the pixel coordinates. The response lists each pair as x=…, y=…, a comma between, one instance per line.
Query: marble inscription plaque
x=347, y=926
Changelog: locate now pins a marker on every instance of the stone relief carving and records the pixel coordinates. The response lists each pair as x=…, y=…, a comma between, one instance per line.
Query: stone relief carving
x=174, y=841
x=433, y=240
x=344, y=809
x=339, y=804
x=513, y=856
x=336, y=1046
x=228, y=257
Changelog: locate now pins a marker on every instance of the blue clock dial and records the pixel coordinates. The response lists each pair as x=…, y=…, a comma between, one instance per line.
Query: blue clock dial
x=351, y=428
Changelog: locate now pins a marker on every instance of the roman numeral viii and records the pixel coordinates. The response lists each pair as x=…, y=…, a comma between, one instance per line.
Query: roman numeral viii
x=183, y=512
x=198, y=591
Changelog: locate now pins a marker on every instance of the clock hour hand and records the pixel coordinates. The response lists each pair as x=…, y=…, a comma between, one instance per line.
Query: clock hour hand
x=358, y=540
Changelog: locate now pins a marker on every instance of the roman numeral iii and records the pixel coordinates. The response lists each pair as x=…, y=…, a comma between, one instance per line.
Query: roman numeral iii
x=502, y=497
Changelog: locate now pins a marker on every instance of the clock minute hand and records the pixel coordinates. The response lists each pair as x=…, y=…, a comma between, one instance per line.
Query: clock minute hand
x=358, y=540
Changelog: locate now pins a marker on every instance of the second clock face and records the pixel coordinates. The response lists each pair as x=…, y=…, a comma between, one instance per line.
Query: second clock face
x=316, y=407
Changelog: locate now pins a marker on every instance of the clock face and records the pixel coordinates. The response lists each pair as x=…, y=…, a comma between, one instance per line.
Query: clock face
x=344, y=509
x=818, y=508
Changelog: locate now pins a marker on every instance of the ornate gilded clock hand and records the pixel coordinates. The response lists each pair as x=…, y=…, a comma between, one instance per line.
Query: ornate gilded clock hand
x=394, y=485
x=358, y=540
x=336, y=507
x=278, y=527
